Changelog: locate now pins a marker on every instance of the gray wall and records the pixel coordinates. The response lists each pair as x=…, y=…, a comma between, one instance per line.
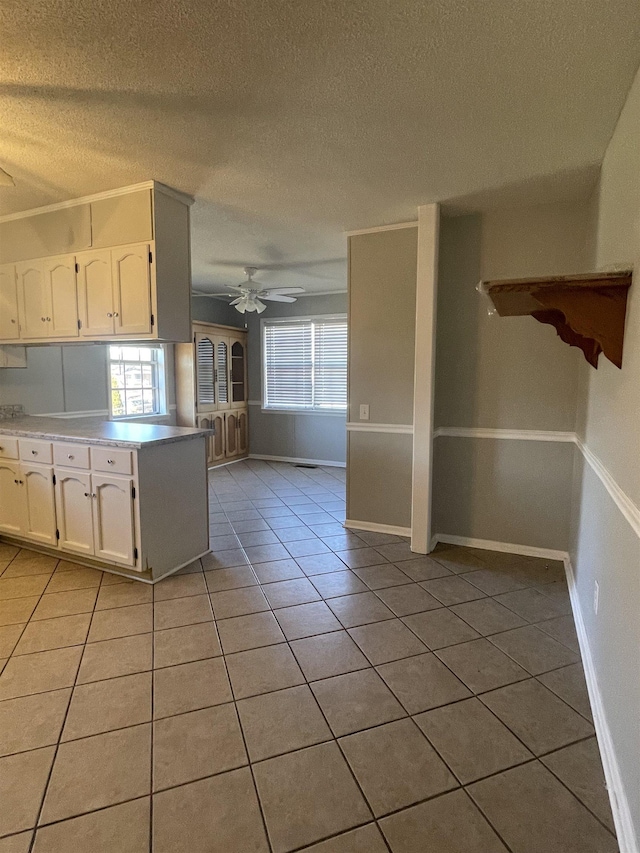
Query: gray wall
x=209, y=310
x=604, y=545
x=504, y=373
x=382, y=305
x=71, y=378
x=292, y=436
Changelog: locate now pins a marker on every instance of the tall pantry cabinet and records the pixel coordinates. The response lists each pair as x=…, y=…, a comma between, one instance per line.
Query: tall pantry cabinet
x=211, y=389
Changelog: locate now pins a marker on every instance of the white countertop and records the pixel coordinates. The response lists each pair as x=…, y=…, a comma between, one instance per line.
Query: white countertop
x=98, y=431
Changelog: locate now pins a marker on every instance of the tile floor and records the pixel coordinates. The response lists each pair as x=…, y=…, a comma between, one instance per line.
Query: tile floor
x=302, y=688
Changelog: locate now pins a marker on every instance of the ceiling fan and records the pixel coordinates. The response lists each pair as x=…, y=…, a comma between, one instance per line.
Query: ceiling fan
x=252, y=296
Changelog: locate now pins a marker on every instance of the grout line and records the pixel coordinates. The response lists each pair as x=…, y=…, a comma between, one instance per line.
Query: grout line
x=62, y=727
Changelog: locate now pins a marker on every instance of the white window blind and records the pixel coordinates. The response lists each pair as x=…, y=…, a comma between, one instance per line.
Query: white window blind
x=205, y=372
x=305, y=364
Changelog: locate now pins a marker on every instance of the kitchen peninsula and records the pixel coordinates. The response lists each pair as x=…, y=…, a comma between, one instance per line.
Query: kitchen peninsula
x=105, y=493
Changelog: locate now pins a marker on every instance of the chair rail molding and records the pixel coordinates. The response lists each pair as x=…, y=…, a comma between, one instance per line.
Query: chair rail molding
x=402, y=429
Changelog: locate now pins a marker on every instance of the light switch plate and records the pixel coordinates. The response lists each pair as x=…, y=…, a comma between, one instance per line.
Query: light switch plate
x=364, y=412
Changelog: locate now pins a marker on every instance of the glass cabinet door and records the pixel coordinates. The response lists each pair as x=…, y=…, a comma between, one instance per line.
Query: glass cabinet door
x=238, y=374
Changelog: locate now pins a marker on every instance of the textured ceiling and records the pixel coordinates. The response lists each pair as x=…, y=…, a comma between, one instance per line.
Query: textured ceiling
x=293, y=120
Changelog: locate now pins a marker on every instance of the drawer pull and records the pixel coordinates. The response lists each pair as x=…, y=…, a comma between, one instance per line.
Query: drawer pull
x=71, y=456
x=110, y=461
x=34, y=452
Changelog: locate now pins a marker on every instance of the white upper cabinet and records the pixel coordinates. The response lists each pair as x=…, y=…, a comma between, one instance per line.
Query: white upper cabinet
x=9, y=322
x=131, y=290
x=62, y=296
x=129, y=276
x=32, y=299
x=95, y=294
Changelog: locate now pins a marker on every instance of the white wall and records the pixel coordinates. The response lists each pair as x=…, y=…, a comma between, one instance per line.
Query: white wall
x=291, y=435
x=605, y=545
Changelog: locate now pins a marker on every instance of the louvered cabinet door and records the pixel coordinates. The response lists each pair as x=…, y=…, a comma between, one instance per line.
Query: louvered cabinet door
x=222, y=372
x=205, y=351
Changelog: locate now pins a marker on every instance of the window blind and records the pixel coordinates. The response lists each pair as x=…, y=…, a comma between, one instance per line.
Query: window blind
x=305, y=364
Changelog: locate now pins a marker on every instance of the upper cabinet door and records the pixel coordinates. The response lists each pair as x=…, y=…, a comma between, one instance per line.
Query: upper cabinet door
x=95, y=295
x=33, y=299
x=205, y=373
x=60, y=276
x=132, y=290
x=238, y=373
x=9, y=322
x=222, y=371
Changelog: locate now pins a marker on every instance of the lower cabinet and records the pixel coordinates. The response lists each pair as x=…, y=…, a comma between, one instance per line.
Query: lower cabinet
x=27, y=505
x=111, y=506
x=95, y=515
x=230, y=439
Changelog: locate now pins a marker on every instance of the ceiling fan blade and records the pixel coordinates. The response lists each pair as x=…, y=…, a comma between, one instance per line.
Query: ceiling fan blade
x=286, y=290
x=235, y=301
x=235, y=287
x=275, y=297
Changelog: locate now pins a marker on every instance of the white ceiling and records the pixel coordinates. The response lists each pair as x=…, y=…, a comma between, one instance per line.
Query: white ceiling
x=293, y=121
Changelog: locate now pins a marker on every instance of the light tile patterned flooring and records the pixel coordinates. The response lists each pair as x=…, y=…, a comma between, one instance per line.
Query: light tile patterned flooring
x=304, y=687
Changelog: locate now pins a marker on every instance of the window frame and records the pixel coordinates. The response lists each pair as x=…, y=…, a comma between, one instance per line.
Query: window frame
x=311, y=318
x=160, y=366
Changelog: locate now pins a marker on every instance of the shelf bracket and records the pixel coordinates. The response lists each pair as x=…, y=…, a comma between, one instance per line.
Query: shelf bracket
x=587, y=311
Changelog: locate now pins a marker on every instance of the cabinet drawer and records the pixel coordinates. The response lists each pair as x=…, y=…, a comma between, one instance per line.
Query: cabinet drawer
x=8, y=447
x=32, y=450
x=108, y=459
x=71, y=455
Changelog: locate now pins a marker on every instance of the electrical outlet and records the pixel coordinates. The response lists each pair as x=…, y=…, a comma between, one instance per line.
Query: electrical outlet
x=596, y=597
x=364, y=412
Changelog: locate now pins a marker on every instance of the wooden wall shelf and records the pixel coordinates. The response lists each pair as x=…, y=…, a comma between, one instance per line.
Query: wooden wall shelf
x=587, y=311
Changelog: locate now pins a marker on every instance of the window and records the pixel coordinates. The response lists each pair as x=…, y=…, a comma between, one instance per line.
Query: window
x=136, y=381
x=305, y=364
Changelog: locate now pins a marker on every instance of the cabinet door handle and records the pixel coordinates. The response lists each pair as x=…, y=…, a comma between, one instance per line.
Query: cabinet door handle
x=115, y=314
x=109, y=314
x=48, y=319
x=44, y=319
x=87, y=494
x=12, y=320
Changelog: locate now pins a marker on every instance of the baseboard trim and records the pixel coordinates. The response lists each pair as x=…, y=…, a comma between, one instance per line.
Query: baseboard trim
x=372, y=527
x=297, y=461
x=627, y=840
x=505, y=547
